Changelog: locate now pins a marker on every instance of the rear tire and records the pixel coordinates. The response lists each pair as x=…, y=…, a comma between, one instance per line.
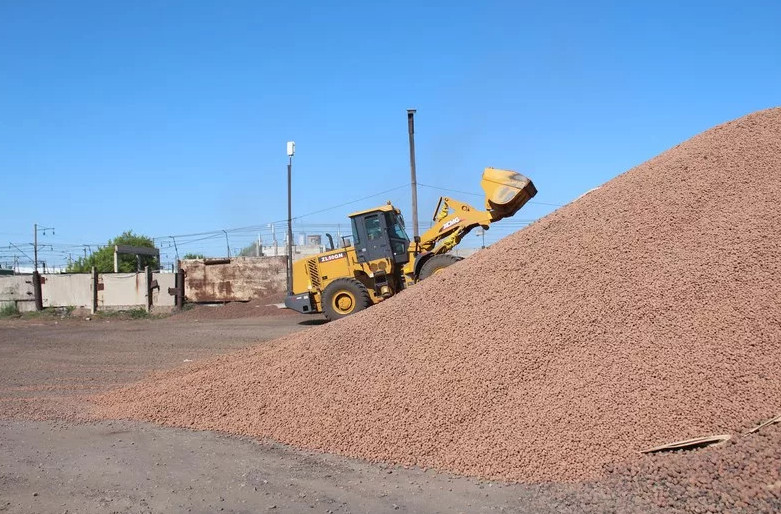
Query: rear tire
x=436, y=264
x=344, y=296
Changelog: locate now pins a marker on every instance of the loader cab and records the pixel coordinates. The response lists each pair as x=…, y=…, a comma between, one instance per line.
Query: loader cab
x=379, y=234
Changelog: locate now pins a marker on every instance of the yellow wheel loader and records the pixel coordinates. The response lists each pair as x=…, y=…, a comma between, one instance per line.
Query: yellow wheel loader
x=381, y=260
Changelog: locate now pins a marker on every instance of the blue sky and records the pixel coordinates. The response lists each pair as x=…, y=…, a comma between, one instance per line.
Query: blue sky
x=170, y=118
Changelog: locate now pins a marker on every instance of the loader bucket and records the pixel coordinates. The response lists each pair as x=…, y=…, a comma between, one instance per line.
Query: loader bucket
x=505, y=192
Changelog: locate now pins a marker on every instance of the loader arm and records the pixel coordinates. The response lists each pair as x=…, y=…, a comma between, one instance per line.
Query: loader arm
x=505, y=193
x=452, y=221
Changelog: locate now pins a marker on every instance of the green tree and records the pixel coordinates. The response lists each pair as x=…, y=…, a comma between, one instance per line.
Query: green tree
x=103, y=259
x=193, y=256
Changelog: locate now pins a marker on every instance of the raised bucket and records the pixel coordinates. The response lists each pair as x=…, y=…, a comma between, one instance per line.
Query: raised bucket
x=506, y=192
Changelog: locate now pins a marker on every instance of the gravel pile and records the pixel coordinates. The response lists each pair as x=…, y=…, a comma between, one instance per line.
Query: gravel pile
x=643, y=313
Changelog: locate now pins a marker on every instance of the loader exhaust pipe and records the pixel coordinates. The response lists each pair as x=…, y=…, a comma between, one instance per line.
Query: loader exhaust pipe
x=413, y=175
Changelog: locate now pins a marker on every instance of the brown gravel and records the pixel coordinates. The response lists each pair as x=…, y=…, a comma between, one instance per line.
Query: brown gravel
x=742, y=476
x=643, y=313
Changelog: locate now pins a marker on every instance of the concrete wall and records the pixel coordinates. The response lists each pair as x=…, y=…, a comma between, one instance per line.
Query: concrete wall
x=65, y=290
x=229, y=280
x=160, y=297
x=122, y=290
x=118, y=291
x=17, y=290
x=129, y=290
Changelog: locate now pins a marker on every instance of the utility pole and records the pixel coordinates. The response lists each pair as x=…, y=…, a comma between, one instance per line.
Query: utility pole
x=291, y=150
x=176, y=249
x=413, y=175
x=35, y=242
x=258, y=247
x=227, y=243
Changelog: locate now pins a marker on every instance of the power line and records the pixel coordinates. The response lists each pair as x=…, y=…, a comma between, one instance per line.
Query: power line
x=23, y=253
x=352, y=202
x=255, y=228
x=247, y=233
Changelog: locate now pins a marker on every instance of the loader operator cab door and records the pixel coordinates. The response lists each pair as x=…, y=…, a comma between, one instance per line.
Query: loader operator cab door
x=380, y=235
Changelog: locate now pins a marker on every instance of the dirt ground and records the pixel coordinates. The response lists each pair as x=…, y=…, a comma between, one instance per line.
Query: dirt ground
x=54, y=460
x=49, y=365
x=134, y=467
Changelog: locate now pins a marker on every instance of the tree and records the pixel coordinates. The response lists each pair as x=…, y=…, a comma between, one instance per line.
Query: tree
x=103, y=259
x=193, y=256
x=249, y=251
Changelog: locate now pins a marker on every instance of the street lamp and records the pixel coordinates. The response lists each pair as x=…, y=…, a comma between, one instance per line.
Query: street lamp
x=291, y=150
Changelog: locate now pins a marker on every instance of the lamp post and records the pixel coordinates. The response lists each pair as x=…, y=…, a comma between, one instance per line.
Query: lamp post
x=291, y=150
x=413, y=174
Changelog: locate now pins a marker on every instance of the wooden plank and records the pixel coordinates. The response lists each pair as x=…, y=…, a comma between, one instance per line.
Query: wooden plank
x=777, y=419
x=690, y=444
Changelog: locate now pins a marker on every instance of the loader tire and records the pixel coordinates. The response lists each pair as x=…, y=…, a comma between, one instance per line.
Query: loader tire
x=344, y=296
x=436, y=264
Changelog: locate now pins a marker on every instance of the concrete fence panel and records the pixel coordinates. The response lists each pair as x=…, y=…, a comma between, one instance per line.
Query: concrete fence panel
x=160, y=296
x=17, y=290
x=122, y=290
x=67, y=290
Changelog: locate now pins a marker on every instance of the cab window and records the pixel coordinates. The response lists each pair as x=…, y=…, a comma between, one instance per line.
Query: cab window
x=356, y=239
x=373, y=228
x=395, y=227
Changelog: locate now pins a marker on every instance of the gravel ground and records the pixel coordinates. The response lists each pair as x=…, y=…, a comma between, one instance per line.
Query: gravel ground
x=133, y=467
x=235, y=310
x=645, y=312
x=50, y=366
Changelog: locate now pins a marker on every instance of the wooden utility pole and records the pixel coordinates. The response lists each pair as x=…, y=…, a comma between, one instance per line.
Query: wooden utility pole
x=36, y=277
x=37, y=291
x=95, y=279
x=148, y=274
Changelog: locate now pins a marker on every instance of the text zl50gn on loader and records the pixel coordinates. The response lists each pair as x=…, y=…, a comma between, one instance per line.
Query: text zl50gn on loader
x=381, y=260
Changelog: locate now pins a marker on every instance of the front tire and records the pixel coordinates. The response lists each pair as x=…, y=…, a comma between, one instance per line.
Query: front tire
x=436, y=264
x=344, y=296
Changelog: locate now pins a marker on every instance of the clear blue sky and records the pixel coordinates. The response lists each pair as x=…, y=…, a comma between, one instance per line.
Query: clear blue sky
x=171, y=117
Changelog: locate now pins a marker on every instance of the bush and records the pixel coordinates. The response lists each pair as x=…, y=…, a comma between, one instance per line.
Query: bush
x=138, y=313
x=9, y=310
